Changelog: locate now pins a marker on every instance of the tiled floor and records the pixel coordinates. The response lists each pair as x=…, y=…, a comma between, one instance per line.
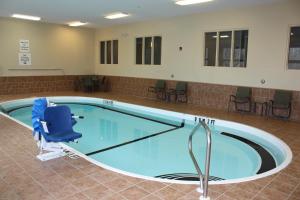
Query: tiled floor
x=22, y=176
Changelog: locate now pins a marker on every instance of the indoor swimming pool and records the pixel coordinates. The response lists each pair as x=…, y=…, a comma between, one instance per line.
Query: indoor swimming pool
x=153, y=144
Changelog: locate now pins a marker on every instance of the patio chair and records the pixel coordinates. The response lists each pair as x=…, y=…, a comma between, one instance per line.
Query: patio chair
x=282, y=100
x=103, y=84
x=242, y=97
x=159, y=89
x=180, y=92
x=88, y=84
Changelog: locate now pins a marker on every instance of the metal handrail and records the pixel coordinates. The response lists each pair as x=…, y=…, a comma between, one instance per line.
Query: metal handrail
x=202, y=178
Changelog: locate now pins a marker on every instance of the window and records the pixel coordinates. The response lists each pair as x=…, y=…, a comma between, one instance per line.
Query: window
x=102, y=52
x=115, y=51
x=109, y=52
x=294, y=48
x=240, y=48
x=157, y=50
x=210, y=49
x=226, y=48
x=148, y=50
x=139, y=51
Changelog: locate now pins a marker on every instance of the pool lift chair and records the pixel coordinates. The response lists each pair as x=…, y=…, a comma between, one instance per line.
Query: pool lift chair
x=52, y=124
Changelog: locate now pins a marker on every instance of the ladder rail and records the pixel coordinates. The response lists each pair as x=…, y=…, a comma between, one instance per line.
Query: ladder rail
x=202, y=178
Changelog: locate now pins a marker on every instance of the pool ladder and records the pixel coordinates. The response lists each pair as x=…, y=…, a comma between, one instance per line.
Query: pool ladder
x=203, y=178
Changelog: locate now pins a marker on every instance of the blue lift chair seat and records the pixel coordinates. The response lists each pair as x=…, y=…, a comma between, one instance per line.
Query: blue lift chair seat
x=52, y=124
x=59, y=124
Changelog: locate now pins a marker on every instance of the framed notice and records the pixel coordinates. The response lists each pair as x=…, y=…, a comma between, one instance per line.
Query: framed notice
x=24, y=46
x=24, y=58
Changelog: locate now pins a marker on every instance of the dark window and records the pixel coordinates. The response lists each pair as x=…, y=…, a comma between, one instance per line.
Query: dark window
x=108, y=52
x=224, y=48
x=115, y=51
x=139, y=51
x=210, y=49
x=240, y=48
x=148, y=50
x=157, y=50
x=294, y=48
x=102, y=52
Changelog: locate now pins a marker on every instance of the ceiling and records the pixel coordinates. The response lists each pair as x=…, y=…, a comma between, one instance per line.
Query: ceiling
x=92, y=11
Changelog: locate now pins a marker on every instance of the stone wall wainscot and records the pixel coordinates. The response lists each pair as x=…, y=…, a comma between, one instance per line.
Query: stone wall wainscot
x=201, y=94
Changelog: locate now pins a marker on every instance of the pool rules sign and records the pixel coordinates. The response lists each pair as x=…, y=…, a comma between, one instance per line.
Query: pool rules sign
x=24, y=53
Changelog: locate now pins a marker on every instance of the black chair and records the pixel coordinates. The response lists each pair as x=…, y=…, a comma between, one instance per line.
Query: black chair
x=159, y=89
x=180, y=92
x=88, y=84
x=103, y=84
x=77, y=84
x=282, y=100
x=242, y=97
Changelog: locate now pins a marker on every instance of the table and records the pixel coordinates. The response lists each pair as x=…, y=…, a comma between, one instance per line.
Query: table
x=263, y=107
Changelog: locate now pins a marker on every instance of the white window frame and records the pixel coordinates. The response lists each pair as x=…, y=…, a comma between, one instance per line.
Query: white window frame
x=152, y=50
x=232, y=47
x=111, y=52
x=288, y=47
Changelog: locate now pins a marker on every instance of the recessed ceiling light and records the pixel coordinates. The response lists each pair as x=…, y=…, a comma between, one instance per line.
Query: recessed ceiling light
x=190, y=2
x=77, y=23
x=116, y=15
x=27, y=17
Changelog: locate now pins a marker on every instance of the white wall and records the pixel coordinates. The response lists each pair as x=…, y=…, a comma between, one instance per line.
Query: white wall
x=267, y=52
x=69, y=50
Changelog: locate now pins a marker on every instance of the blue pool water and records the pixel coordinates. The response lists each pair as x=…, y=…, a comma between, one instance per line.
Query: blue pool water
x=104, y=130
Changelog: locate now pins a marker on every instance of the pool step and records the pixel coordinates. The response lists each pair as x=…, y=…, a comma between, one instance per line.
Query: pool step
x=187, y=177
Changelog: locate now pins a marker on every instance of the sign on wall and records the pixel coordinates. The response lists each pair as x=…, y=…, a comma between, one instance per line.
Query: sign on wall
x=24, y=52
x=24, y=58
x=24, y=46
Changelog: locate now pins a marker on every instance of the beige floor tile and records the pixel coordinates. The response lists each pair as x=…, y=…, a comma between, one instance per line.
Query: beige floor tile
x=104, y=176
x=272, y=194
x=134, y=193
x=151, y=186
x=77, y=196
x=99, y=192
x=169, y=193
x=84, y=183
x=118, y=184
x=151, y=197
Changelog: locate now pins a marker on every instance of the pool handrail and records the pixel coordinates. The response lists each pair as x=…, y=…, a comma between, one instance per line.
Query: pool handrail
x=202, y=178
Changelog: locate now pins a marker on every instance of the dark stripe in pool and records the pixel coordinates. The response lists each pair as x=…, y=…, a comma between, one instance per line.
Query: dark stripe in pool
x=103, y=107
x=267, y=160
x=132, y=141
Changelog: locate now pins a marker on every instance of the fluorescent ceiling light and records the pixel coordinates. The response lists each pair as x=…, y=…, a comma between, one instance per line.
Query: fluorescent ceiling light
x=78, y=23
x=27, y=17
x=190, y=2
x=116, y=15
x=224, y=36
